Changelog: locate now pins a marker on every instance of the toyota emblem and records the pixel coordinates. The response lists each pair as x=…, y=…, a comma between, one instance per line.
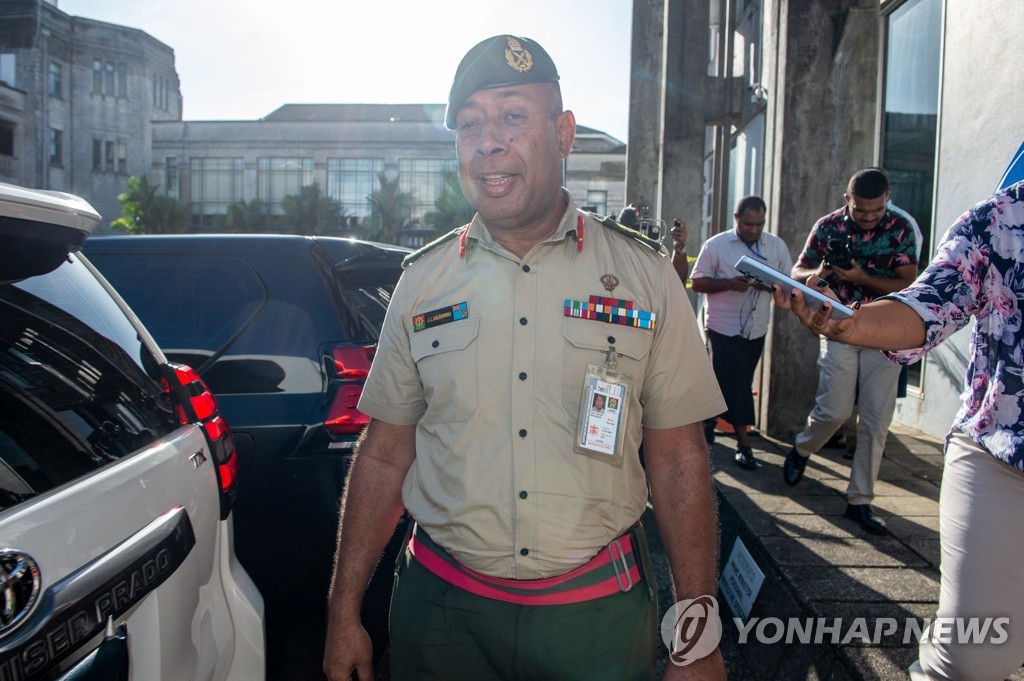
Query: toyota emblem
x=19, y=589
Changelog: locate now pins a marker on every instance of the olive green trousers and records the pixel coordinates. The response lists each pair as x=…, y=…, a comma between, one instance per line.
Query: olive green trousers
x=439, y=631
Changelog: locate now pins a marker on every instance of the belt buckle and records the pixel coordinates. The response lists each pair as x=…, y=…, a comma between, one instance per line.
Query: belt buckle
x=620, y=566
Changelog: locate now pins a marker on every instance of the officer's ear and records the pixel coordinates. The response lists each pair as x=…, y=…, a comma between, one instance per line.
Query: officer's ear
x=565, y=129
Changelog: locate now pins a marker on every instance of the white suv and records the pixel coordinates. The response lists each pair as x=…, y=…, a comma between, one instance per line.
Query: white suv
x=116, y=479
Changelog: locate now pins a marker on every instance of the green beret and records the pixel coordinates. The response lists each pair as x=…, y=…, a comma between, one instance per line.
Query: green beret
x=498, y=62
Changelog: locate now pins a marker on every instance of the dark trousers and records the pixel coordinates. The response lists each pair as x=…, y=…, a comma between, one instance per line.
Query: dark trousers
x=734, y=359
x=439, y=631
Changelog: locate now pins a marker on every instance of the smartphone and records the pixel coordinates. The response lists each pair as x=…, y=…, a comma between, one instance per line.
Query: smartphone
x=768, y=276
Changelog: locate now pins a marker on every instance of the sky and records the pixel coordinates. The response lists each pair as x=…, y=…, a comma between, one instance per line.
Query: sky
x=241, y=60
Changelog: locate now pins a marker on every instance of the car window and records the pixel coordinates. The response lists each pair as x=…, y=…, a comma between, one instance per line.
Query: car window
x=78, y=386
x=194, y=305
x=363, y=294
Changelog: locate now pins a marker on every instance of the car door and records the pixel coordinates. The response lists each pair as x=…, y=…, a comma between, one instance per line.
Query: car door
x=109, y=506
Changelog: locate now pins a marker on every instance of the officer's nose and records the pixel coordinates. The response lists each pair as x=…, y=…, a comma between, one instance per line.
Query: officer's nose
x=493, y=139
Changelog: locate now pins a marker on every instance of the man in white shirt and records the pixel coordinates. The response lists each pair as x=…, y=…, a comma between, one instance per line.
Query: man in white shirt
x=737, y=311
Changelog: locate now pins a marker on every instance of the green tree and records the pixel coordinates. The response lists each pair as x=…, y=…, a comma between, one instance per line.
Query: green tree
x=453, y=210
x=311, y=212
x=247, y=216
x=143, y=211
x=390, y=209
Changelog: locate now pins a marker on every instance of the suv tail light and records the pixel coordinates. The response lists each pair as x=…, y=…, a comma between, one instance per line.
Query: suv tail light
x=351, y=366
x=198, y=405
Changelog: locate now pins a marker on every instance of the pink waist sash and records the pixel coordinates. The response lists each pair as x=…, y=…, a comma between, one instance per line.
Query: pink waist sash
x=614, y=569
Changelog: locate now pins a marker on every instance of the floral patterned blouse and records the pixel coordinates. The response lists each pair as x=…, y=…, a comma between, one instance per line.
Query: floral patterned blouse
x=978, y=271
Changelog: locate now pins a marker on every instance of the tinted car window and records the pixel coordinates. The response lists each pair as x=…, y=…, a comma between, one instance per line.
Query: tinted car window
x=78, y=387
x=202, y=302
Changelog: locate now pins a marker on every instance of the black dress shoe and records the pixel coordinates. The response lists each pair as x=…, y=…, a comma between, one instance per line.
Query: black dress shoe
x=866, y=518
x=793, y=468
x=745, y=458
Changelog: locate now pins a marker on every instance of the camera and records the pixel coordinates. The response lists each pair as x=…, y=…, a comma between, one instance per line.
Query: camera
x=652, y=229
x=838, y=253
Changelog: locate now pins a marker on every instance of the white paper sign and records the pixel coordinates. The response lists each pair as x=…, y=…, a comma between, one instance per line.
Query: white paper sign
x=741, y=580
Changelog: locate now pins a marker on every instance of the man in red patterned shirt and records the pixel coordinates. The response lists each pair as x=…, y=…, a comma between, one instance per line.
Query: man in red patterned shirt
x=862, y=251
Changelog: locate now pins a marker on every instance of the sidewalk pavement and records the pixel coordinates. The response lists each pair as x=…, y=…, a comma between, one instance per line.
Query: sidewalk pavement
x=819, y=564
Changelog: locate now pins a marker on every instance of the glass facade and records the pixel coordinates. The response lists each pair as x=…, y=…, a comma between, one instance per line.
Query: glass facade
x=910, y=115
x=422, y=179
x=214, y=184
x=276, y=178
x=911, y=100
x=350, y=181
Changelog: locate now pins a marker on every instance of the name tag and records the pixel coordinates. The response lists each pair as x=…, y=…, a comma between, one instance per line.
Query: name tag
x=444, y=315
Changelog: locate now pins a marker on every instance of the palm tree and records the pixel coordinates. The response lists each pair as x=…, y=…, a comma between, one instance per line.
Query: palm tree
x=247, y=216
x=390, y=209
x=143, y=211
x=311, y=212
x=453, y=210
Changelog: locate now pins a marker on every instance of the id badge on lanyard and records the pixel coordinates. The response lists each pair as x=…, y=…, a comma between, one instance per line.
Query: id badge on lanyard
x=603, y=411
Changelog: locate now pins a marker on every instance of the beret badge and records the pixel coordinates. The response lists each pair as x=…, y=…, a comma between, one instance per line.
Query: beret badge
x=517, y=57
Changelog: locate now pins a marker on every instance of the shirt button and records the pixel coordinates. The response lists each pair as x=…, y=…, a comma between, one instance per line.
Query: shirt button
x=611, y=339
x=524, y=552
x=522, y=321
x=523, y=494
x=522, y=375
x=435, y=344
x=522, y=432
x=526, y=268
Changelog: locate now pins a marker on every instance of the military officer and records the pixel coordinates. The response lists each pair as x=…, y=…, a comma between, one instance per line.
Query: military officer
x=527, y=560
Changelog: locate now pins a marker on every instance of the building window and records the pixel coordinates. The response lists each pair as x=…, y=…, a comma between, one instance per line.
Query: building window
x=109, y=148
x=55, y=82
x=911, y=105
x=7, y=68
x=162, y=92
x=597, y=201
x=122, y=80
x=108, y=78
x=214, y=184
x=422, y=178
x=97, y=76
x=171, y=176
x=56, y=147
x=350, y=181
x=97, y=155
x=122, y=157
x=6, y=138
x=276, y=178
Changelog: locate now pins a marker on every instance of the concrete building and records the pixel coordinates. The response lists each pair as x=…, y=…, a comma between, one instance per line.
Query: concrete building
x=787, y=98
x=209, y=165
x=84, y=105
x=78, y=99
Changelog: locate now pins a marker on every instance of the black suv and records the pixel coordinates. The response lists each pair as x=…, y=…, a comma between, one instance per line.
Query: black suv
x=283, y=329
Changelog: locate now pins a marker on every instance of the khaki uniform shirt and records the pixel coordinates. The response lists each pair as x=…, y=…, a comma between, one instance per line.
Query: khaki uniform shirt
x=496, y=396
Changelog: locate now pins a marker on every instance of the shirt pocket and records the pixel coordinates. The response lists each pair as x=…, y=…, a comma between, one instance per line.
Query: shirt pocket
x=587, y=342
x=446, y=357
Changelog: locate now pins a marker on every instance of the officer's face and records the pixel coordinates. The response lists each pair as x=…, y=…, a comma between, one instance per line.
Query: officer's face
x=510, y=145
x=866, y=212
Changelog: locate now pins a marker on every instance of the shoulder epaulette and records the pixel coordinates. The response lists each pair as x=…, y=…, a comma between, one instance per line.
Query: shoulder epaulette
x=417, y=254
x=633, y=234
